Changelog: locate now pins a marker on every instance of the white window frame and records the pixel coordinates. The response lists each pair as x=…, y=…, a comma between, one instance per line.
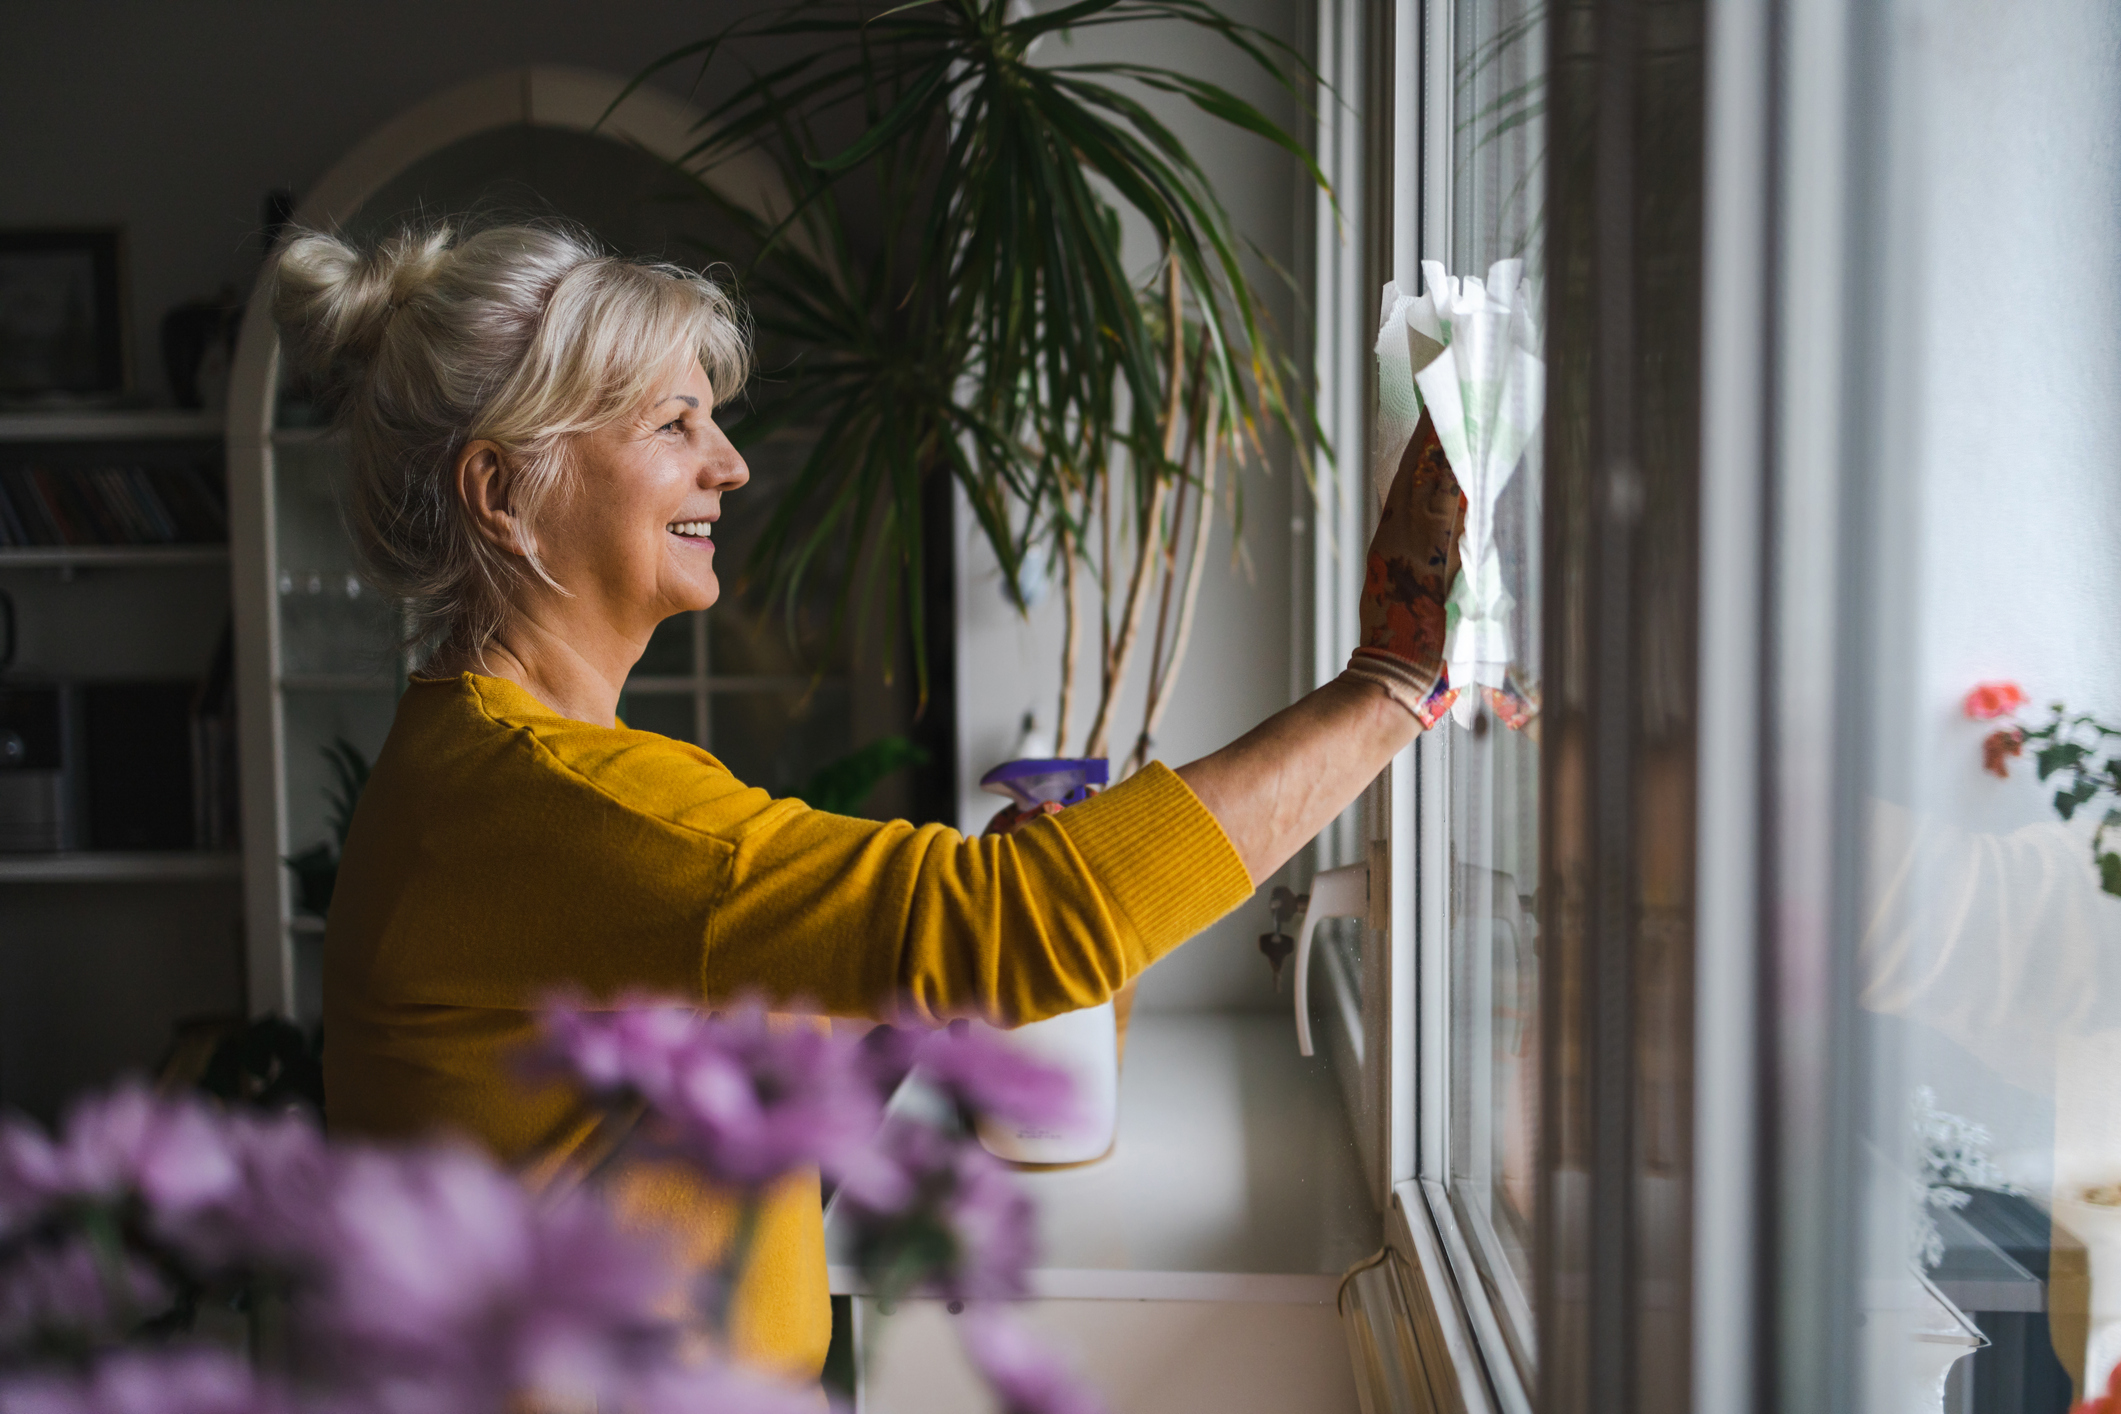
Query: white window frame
x=1389, y=1036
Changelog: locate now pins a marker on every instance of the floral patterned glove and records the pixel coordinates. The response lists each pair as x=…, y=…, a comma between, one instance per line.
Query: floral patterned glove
x=1413, y=560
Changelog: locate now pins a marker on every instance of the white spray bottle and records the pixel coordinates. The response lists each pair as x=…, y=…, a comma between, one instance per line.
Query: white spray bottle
x=1084, y=1044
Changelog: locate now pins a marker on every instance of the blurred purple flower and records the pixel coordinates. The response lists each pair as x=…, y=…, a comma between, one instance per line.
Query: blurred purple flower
x=450, y=1287
x=995, y=1227
x=59, y=1291
x=958, y=1215
x=623, y=1053
x=990, y=1077
x=718, y=1388
x=218, y=1189
x=745, y=1100
x=172, y=1152
x=165, y=1381
x=1027, y=1377
x=268, y=1216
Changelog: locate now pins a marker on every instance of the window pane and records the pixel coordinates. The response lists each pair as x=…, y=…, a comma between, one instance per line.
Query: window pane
x=668, y=714
x=1986, y=980
x=1491, y=747
x=669, y=651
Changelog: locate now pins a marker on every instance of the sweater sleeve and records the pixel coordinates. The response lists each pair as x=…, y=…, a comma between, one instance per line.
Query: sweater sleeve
x=861, y=918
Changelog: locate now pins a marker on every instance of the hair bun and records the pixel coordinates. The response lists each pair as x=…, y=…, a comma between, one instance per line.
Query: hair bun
x=333, y=303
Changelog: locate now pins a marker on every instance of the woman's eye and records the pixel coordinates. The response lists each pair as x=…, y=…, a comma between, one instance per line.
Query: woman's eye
x=676, y=424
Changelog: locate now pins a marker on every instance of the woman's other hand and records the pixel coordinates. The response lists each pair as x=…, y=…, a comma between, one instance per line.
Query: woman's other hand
x=1009, y=818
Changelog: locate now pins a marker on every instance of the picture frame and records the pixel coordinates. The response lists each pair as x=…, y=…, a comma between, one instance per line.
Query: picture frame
x=62, y=317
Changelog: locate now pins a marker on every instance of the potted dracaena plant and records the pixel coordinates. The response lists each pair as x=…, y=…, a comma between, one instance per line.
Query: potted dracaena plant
x=944, y=295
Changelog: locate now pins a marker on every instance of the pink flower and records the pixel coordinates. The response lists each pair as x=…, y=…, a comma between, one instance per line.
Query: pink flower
x=168, y=1381
x=1990, y=700
x=721, y=1388
x=269, y=1216
x=449, y=1284
x=952, y=1222
x=1025, y=1376
x=173, y=1153
x=746, y=1099
x=58, y=1292
x=986, y=1075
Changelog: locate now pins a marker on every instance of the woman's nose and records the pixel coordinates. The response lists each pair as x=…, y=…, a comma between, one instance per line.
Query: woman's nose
x=725, y=466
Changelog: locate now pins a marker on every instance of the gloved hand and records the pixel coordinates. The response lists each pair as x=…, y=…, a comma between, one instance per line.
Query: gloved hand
x=1412, y=563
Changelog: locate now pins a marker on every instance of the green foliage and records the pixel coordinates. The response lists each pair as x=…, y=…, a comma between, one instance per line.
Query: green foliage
x=975, y=320
x=2072, y=748
x=349, y=769
x=317, y=868
x=841, y=786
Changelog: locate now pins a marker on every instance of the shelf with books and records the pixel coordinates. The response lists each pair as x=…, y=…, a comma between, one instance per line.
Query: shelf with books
x=46, y=503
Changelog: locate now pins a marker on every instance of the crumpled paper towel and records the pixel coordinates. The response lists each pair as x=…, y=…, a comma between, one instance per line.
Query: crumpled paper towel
x=1468, y=350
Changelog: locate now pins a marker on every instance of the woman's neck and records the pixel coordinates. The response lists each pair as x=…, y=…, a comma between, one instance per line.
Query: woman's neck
x=548, y=666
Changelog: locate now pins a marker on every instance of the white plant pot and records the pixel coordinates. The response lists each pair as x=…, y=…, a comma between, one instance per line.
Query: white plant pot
x=1085, y=1046
x=2098, y=1226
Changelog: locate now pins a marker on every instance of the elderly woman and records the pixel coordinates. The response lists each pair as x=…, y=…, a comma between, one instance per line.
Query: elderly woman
x=537, y=472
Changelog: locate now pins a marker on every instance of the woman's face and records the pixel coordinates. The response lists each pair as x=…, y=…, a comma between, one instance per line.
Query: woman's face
x=633, y=535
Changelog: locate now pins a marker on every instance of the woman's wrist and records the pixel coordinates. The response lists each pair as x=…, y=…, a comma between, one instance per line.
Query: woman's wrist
x=1424, y=696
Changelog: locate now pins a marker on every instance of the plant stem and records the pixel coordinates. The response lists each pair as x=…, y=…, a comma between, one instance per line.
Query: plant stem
x=1145, y=558
x=1160, y=675
x=1104, y=586
x=1162, y=687
x=1071, y=646
x=1169, y=546
x=1149, y=535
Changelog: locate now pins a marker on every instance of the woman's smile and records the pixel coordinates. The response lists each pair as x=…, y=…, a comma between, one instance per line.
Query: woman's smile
x=695, y=532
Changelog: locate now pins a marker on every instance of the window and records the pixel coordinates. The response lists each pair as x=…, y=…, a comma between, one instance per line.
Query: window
x=1489, y=755
x=1445, y=164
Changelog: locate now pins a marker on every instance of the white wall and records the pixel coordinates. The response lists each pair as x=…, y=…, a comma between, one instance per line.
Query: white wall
x=2010, y=188
x=1999, y=542
x=1237, y=670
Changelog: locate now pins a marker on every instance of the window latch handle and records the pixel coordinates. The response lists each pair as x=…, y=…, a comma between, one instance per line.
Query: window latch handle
x=1335, y=893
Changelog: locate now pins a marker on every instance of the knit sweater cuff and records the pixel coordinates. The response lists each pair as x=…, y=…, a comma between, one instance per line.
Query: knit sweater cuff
x=1160, y=856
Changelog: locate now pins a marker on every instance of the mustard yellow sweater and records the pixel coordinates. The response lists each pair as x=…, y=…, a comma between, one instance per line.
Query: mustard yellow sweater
x=502, y=852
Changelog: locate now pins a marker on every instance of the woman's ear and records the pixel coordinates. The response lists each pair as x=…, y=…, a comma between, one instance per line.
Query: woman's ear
x=483, y=478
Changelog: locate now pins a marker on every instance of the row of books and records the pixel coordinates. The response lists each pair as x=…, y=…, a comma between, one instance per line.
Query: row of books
x=111, y=506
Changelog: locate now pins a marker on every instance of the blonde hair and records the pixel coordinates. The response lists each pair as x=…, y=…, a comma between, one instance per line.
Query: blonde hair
x=525, y=336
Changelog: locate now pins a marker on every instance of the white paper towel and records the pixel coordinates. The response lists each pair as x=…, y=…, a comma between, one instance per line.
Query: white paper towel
x=1467, y=350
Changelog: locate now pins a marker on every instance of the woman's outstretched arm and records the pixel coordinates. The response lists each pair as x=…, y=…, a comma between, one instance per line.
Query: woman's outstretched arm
x=1278, y=785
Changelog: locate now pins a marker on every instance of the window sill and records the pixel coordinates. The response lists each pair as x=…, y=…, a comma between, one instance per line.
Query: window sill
x=1234, y=1179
